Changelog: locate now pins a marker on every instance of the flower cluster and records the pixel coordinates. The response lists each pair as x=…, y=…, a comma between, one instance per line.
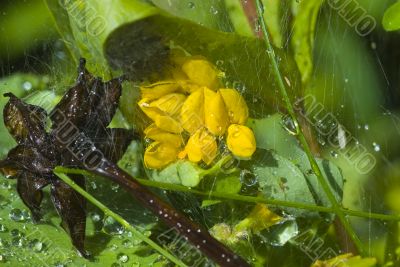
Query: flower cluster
x=191, y=114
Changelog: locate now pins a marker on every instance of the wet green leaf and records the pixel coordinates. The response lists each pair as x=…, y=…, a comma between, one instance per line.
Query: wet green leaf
x=305, y=19
x=287, y=173
x=223, y=49
x=391, y=19
x=182, y=172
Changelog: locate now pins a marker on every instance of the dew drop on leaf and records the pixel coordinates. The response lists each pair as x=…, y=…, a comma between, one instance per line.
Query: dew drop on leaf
x=191, y=5
x=3, y=228
x=289, y=125
x=17, y=215
x=123, y=257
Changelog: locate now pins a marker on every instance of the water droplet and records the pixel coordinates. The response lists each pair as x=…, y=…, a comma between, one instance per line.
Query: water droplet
x=376, y=146
x=334, y=154
x=290, y=125
x=3, y=228
x=36, y=245
x=127, y=243
x=191, y=5
x=213, y=10
x=115, y=187
x=93, y=185
x=346, y=80
x=17, y=215
x=18, y=241
x=96, y=217
x=112, y=227
x=123, y=258
x=27, y=86
x=366, y=127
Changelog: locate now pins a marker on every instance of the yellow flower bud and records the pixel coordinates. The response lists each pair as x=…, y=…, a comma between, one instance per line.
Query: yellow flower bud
x=215, y=113
x=201, y=146
x=236, y=106
x=154, y=133
x=241, y=141
x=192, y=112
x=159, y=155
x=202, y=72
x=159, y=89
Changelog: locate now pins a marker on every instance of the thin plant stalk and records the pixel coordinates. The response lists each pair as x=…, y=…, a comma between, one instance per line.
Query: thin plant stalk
x=119, y=219
x=288, y=105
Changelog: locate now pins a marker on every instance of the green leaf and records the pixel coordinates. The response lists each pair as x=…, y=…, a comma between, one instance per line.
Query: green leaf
x=182, y=172
x=84, y=25
x=287, y=163
x=391, y=18
x=305, y=19
x=23, y=243
x=209, y=13
x=238, y=18
x=229, y=184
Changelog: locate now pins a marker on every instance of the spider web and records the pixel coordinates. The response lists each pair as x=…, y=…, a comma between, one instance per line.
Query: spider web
x=352, y=79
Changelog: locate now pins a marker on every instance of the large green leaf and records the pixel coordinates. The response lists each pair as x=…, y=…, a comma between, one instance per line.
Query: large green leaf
x=242, y=58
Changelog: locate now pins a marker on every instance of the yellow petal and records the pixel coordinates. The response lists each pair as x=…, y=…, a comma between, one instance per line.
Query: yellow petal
x=241, y=141
x=189, y=86
x=171, y=104
x=236, y=106
x=192, y=112
x=154, y=133
x=159, y=89
x=158, y=155
x=215, y=113
x=202, y=72
x=161, y=118
x=201, y=146
x=169, y=124
x=151, y=112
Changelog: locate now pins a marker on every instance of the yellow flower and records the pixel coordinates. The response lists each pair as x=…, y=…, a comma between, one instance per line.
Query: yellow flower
x=191, y=102
x=159, y=89
x=192, y=112
x=346, y=260
x=241, y=141
x=236, y=106
x=154, y=133
x=160, y=154
x=201, y=146
x=202, y=72
x=164, y=111
x=215, y=113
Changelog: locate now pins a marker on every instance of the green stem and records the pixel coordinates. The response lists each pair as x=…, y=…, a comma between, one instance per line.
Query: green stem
x=282, y=88
x=118, y=218
x=250, y=199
